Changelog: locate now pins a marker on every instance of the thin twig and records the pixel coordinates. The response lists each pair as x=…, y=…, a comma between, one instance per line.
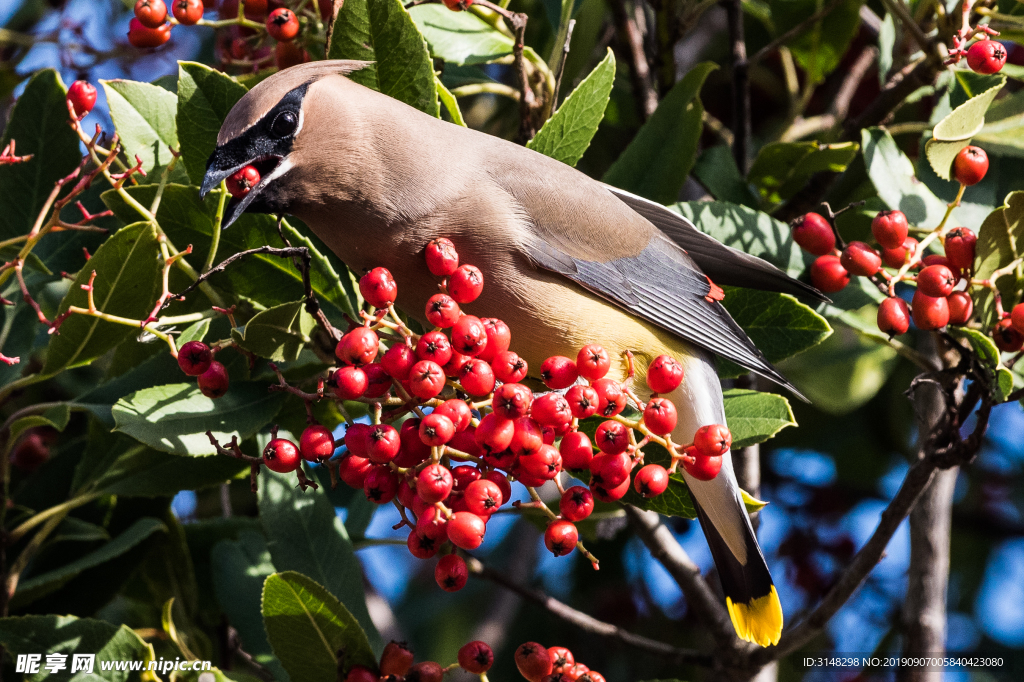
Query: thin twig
x=565, y=56
x=741, y=123
x=639, y=69
x=795, y=31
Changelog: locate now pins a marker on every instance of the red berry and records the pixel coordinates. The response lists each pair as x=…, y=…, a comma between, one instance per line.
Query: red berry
x=82, y=95
x=469, y=336
x=142, y=37
x=929, y=312
x=194, y=358
x=575, y=671
x=712, y=440
x=495, y=433
x=561, y=537
x=890, y=229
x=357, y=673
x=358, y=347
x=986, y=57
x=577, y=503
x=612, y=437
x=381, y=485
x=451, y=573
x=665, y=374
x=893, y=316
x=814, y=234
x=353, y=470
x=527, y=437
x=442, y=258
x=426, y=671
x=396, y=659
x=434, y=483
x=828, y=274
x=611, y=399
x=378, y=287
x=188, y=12
x=356, y=439
x=558, y=372
x=281, y=456
x=533, y=661
x=348, y=383
x=483, y=498
x=561, y=659
x=895, y=258
x=432, y=523
x=499, y=479
x=543, y=465
x=576, y=450
x=151, y=13
x=378, y=381
x=512, y=401
x=436, y=429
x=421, y=546
x=456, y=410
x=398, y=361
x=583, y=401
x=704, y=468
x=316, y=442
x=651, y=480
x=551, y=409
x=660, y=416
x=466, y=530
x=382, y=443
x=442, y=311
x=591, y=676
x=971, y=164
x=609, y=470
x=508, y=367
x=30, y=453
x=476, y=658
x=457, y=5
x=1006, y=336
x=462, y=476
x=499, y=337
x=961, y=307
x=477, y=377
x=242, y=181
x=465, y=284
x=282, y=24
x=434, y=346
x=213, y=383
x=603, y=493
x=593, y=362
x=426, y=379
x=860, y=259
x=935, y=259
x=936, y=280
x=1017, y=315
x=960, y=248
x=453, y=368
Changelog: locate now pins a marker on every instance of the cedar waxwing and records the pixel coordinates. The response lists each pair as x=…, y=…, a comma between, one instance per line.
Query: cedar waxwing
x=567, y=260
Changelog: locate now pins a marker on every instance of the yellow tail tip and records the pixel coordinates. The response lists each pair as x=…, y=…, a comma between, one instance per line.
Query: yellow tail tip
x=759, y=620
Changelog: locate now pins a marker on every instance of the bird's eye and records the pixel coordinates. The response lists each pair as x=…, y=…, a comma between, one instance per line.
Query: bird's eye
x=285, y=124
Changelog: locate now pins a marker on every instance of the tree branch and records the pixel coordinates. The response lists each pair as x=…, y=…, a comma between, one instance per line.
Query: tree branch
x=795, y=31
x=639, y=69
x=741, y=126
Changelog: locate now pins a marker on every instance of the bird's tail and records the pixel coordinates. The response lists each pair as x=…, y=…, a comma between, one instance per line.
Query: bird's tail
x=750, y=595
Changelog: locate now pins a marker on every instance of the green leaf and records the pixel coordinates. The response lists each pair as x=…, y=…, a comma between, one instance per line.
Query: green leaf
x=892, y=174
x=658, y=160
x=305, y=535
x=127, y=268
x=175, y=418
x=69, y=635
x=278, y=333
x=567, y=134
x=36, y=586
x=778, y=324
x=675, y=501
x=754, y=417
x=1004, y=384
x=205, y=96
x=139, y=471
x=999, y=243
x=451, y=104
x=381, y=31
x=716, y=169
x=144, y=119
x=309, y=629
x=982, y=344
x=239, y=569
x=955, y=131
x=195, y=332
x=460, y=37
x=750, y=502
x=820, y=48
x=55, y=417
x=39, y=126
x=781, y=169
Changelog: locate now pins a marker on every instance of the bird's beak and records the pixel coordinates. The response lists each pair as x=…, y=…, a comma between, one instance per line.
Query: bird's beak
x=225, y=161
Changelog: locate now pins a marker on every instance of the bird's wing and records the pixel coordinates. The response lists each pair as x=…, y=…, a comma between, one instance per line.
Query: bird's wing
x=723, y=264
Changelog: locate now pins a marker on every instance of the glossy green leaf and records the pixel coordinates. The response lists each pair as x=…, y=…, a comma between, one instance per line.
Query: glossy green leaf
x=567, y=134
x=982, y=344
x=175, y=418
x=32, y=587
x=820, y=48
x=460, y=37
x=781, y=169
x=69, y=635
x=382, y=32
x=278, y=333
x=156, y=370
x=754, y=417
x=194, y=332
x=144, y=117
x=305, y=535
x=309, y=628
x=675, y=501
x=750, y=502
x=892, y=174
x=658, y=160
x=205, y=96
x=127, y=268
x=451, y=104
x=39, y=126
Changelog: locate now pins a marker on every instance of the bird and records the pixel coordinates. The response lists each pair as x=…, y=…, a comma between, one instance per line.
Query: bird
x=568, y=260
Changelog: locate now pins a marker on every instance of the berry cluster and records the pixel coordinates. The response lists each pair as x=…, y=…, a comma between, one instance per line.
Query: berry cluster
x=397, y=664
x=942, y=280
x=465, y=427
x=554, y=664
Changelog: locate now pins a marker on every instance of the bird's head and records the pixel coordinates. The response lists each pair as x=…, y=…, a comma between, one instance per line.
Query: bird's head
x=269, y=128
